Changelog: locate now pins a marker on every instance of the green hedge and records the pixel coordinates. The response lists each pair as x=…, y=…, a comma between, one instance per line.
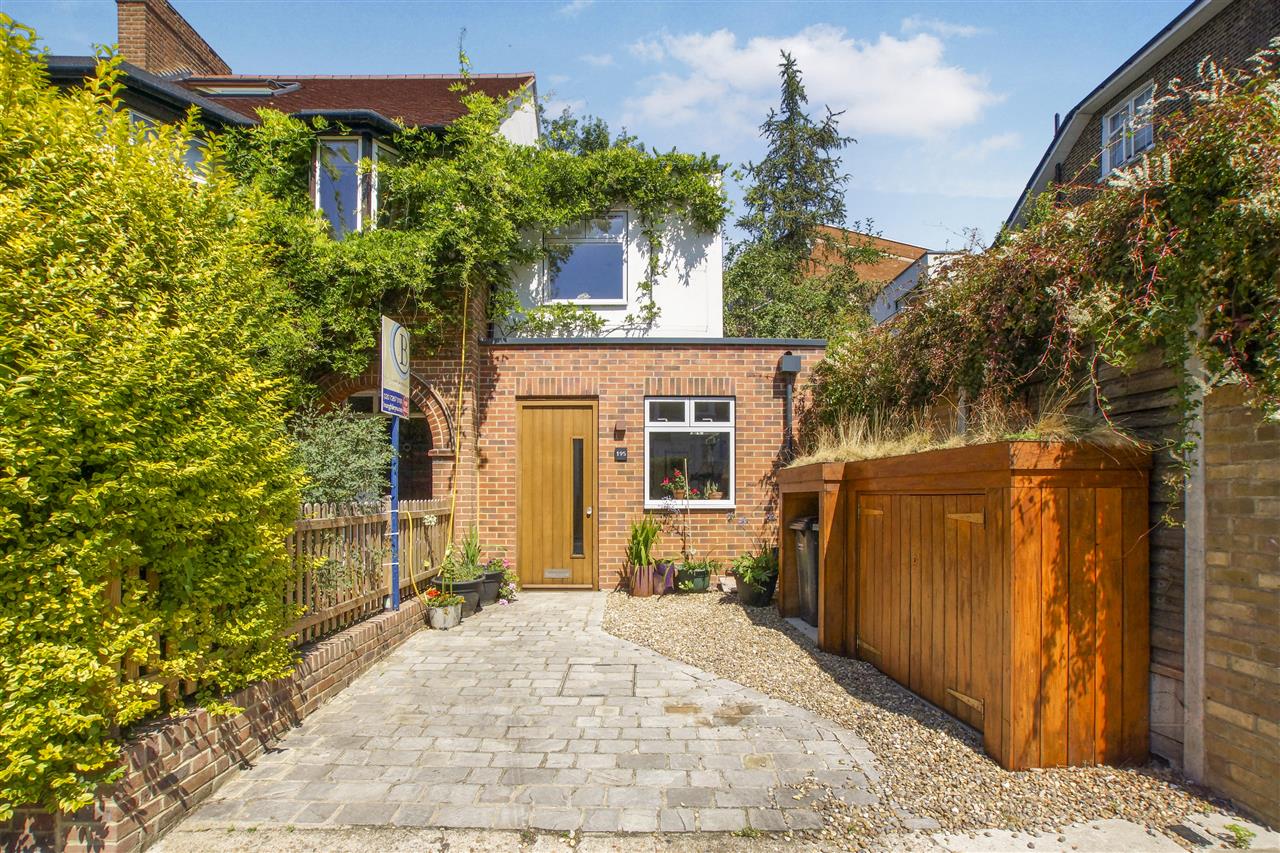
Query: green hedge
x=142, y=434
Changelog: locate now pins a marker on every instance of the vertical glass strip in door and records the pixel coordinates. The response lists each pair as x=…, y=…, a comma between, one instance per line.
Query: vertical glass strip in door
x=577, y=498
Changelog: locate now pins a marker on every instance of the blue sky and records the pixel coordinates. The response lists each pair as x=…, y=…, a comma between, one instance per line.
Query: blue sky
x=951, y=102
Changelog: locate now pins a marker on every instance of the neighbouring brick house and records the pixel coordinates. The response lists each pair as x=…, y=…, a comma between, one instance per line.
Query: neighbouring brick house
x=1215, y=574
x=896, y=273
x=558, y=443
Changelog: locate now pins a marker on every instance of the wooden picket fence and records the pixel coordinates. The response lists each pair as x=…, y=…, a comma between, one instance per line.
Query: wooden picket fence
x=343, y=559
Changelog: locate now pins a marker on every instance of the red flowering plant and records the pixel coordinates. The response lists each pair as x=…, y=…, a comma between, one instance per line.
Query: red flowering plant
x=436, y=598
x=677, y=483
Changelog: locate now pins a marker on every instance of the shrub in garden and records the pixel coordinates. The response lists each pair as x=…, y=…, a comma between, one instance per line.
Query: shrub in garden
x=147, y=479
x=346, y=456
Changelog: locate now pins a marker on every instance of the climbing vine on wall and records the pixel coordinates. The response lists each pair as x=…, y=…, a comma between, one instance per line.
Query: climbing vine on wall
x=1179, y=253
x=464, y=209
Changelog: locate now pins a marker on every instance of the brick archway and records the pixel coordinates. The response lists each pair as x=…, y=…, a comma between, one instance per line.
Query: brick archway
x=335, y=389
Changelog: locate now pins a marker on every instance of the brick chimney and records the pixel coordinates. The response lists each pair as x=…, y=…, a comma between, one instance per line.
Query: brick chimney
x=154, y=37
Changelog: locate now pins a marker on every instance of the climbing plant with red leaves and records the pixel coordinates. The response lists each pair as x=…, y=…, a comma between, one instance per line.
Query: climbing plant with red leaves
x=1179, y=253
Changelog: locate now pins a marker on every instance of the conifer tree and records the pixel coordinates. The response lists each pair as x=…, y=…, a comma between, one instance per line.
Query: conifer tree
x=773, y=287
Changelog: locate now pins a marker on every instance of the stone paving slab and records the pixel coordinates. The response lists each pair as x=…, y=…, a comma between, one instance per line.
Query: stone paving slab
x=531, y=716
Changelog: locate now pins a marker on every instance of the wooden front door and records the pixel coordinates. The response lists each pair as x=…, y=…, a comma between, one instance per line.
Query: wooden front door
x=556, y=494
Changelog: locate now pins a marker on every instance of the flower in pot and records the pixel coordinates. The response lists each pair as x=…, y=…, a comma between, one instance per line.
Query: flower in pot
x=714, y=492
x=644, y=535
x=510, y=584
x=695, y=575
x=664, y=575
x=677, y=485
x=757, y=575
x=461, y=573
x=444, y=610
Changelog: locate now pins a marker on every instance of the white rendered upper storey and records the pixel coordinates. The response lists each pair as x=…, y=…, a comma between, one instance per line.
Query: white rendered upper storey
x=603, y=265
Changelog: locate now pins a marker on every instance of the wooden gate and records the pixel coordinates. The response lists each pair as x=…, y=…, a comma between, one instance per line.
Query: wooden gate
x=556, y=494
x=924, y=596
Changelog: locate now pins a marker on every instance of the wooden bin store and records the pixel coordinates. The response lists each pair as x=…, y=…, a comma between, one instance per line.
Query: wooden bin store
x=1005, y=583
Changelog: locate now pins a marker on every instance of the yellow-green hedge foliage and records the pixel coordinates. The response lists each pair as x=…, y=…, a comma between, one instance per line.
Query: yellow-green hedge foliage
x=142, y=433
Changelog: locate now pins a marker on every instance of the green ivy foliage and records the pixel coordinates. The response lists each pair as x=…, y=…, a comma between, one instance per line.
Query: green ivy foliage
x=1179, y=253
x=468, y=210
x=147, y=480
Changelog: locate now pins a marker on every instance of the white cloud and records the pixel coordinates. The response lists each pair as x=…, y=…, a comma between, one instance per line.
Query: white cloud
x=573, y=7
x=553, y=106
x=600, y=60
x=945, y=29
x=890, y=86
x=986, y=146
x=647, y=50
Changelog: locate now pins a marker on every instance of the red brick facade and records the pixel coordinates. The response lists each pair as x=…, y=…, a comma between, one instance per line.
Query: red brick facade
x=1236, y=33
x=154, y=37
x=617, y=375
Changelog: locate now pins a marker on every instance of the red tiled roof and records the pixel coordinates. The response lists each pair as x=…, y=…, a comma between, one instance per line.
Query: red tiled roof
x=423, y=100
x=896, y=258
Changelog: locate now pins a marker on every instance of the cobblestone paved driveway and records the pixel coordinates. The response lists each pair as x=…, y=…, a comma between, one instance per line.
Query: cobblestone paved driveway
x=532, y=716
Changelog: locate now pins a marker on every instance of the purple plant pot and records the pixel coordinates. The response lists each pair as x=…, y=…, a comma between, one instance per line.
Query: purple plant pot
x=664, y=577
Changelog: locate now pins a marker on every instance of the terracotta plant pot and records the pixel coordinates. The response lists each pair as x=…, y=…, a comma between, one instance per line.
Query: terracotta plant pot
x=679, y=494
x=715, y=496
x=640, y=582
x=444, y=618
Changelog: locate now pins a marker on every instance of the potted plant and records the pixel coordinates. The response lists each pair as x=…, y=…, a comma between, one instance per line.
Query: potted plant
x=510, y=584
x=444, y=610
x=695, y=575
x=677, y=485
x=713, y=491
x=461, y=573
x=664, y=575
x=757, y=576
x=491, y=579
x=644, y=535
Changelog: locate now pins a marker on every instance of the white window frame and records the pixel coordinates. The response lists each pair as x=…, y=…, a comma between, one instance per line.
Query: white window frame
x=360, y=178
x=1128, y=132
x=374, y=207
x=729, y=501
x=624, y=240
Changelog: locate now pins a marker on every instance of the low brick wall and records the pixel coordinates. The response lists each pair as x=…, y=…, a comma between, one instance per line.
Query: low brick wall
x=178, y=763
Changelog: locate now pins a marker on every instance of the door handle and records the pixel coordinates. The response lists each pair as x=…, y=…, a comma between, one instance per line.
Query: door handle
x=588, y=512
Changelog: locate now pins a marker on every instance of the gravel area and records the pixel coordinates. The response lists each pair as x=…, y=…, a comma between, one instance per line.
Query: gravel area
x=932, y=765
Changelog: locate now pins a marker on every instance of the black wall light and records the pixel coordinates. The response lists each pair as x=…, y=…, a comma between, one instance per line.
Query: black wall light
x=788, y=368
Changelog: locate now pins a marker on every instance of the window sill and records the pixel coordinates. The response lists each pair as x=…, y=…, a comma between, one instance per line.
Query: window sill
x=590, y=303
x=691, y=505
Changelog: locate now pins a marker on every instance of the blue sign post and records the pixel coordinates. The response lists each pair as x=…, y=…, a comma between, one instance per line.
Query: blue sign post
x=395, y=402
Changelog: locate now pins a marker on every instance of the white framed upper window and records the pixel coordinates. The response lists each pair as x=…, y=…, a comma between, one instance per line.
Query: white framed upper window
x=337, y=182
x=589, y=261
x=1127, y=130
x=689, y=440
x=382, y=154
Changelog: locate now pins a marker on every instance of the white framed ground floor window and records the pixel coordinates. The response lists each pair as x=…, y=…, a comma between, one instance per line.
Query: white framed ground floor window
x=689, y=441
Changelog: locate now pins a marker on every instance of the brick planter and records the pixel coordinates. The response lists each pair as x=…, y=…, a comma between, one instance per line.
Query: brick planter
x=175, y=764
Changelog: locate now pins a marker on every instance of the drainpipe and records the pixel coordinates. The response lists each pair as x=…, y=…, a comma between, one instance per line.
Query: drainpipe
x=788, y=368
